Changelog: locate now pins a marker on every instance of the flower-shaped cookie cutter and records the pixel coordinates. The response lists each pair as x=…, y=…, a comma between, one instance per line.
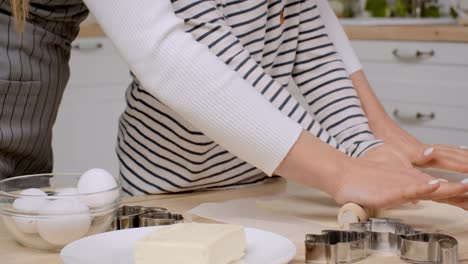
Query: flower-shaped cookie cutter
x=383, y=235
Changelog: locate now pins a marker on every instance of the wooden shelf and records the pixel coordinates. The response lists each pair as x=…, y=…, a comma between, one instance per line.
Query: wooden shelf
x=409, y=33
x=91, y=30
x=403, y=33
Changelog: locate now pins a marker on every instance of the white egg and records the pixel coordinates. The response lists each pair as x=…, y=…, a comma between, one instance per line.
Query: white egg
x=60, y=230
x=97, y=180
x=29, y=205
x=27, y=224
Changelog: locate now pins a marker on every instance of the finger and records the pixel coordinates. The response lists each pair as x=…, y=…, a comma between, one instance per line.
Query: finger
x=448, y=157
x=459, y=201
x=450, y=160
x=445, y=157
x=409, y=188
x=413, y=191
x=449, y=190
x=424, y=156
x=416, y=192
x=422, y=177
x=461, y=151
x=462, y=148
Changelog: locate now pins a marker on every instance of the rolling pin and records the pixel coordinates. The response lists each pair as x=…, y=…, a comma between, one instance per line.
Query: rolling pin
x=353, y=213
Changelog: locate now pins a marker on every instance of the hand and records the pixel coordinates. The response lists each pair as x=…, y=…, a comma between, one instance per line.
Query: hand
x=387, y=154
x=449, y=193
x=370, y=183
x=435, y=156
x=375, y=185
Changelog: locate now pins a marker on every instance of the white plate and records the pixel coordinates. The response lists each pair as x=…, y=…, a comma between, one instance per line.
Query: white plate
x=117, y=247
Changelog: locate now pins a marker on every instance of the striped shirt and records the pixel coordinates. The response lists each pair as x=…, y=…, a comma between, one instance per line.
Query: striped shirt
x=271, y=44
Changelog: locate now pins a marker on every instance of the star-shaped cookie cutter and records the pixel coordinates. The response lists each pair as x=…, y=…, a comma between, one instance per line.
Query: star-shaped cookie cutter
x=382, y=235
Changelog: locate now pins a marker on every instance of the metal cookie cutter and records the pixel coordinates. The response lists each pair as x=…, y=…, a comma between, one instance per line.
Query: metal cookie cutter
x=140, y=216
x=429, y=248
x=413, y=246
x=384, y=233
x=381, y=235
x=333, y=246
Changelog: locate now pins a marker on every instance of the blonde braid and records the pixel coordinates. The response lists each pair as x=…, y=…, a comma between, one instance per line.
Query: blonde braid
x=20, y=9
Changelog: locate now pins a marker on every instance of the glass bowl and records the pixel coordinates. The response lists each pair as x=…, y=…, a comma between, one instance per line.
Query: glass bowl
x=58, y=217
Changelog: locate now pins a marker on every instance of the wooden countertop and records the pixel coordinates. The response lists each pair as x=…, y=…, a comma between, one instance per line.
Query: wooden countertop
x=13, y=253
x=404, y=33
x=409, y=33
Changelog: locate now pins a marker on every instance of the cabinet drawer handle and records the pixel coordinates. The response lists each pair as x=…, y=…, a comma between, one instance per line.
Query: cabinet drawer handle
x=417, y=116
x=87, y=46
x=405, y=55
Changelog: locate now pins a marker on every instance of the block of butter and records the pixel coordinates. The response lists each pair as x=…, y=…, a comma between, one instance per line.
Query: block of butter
x=192, y=243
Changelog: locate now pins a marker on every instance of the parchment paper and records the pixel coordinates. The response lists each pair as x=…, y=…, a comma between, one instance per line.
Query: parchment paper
x=302, y=210
x=318, y=207
x=246, y=212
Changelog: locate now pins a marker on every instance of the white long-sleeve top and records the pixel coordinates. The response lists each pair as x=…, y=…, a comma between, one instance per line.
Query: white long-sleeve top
x=187, y=77
x=222, y=91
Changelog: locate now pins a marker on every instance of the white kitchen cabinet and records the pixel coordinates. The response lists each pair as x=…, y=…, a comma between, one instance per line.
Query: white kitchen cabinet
x=85, y=132
x=423, y=86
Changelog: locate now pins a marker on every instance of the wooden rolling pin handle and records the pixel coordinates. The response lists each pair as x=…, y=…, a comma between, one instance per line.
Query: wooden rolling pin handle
x=352, y=213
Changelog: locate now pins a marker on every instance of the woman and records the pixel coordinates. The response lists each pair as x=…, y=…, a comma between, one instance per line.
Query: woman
x=193, y=84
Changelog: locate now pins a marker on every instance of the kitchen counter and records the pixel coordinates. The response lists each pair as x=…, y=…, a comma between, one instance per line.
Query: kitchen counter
x=13, y=253
x=443, y=33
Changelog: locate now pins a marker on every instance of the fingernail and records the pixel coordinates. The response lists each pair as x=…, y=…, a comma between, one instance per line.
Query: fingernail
x=443, y=180
x=465, y=181
x=434, y=182
x=463, y=147
x=428, y=151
